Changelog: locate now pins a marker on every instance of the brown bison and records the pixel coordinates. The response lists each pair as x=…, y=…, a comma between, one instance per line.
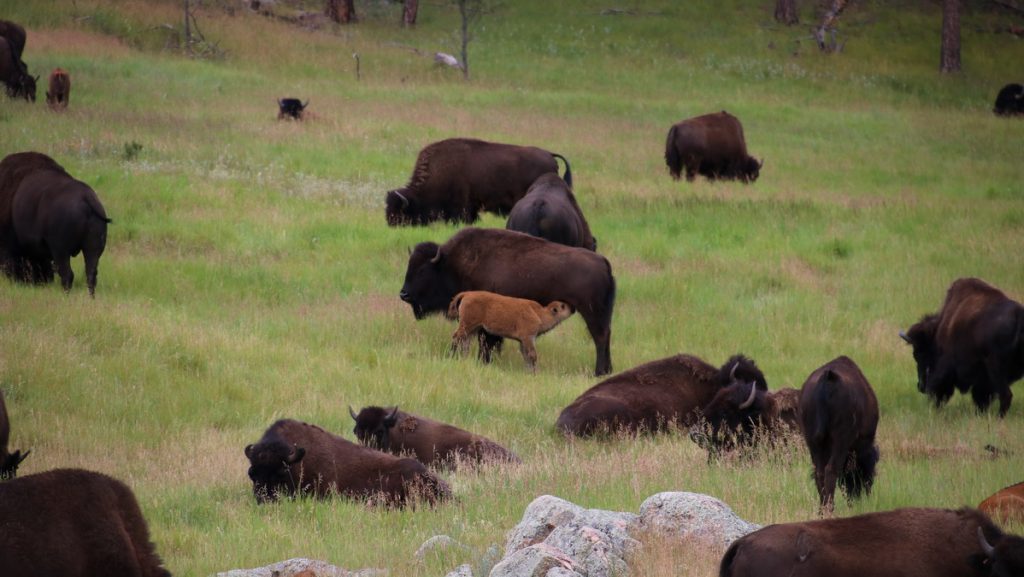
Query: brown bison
x=1010, y=101
x=59, y=95
x=296, y=458
x=507, y=317
x=711, y=145
x=517, y=265
x=654, y=396
x=8, y=461
x=457, y=178
x=742, y=413
x=14, y=74
x=549, y=210
x=899, y=543
x=14, y=33
x=1007, y=505
x=839, y=415
x=433, y=443
x=74, y=523
x=976, y=343
x=47, y=217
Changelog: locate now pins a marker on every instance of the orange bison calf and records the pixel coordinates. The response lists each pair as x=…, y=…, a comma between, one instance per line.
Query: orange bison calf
x=59, y=94
x=514, y=318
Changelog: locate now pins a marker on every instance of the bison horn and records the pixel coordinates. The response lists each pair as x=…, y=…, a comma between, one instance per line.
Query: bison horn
x=904, y=336
x=985, y=545
x=437, y=257
x=405, y=201
x=394, y=413
x=353, y=413
x=750, y=400
x=305, y=104
x=732, y=373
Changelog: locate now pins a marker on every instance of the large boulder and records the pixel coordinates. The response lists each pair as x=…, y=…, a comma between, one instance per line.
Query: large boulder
x=293, y=567
x=693, y=516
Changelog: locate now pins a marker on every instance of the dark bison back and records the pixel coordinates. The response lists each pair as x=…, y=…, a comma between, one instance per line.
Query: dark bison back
x=14, y=74
x=74, y=523
x=1010, y=101
x=712, y=145
x=549, y=210
x=15, y=36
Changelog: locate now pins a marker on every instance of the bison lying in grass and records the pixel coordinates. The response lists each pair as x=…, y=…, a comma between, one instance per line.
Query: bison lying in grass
x=509, y=317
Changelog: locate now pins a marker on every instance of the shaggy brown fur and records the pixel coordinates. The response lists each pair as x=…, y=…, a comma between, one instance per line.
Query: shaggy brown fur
x=711, y=145
x=1007, y=505
x=741, y=414
x=59, y=95
x=74, y=523
x=8, y=461
x=509, y=317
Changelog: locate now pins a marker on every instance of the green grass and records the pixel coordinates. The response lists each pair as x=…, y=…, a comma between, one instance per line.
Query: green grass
x=249, y=274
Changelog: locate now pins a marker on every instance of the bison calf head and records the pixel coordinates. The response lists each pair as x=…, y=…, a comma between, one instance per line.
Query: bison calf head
x=373, y=426
x=270, y=469
x=921, y=337
x=429, y=287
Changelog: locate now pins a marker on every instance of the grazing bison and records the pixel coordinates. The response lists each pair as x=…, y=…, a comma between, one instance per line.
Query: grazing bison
x=457, y=178
x=711, y=145
x=47, y=217
x=549, y=210
x=434, y=444
x=507, y=317
x=8, y=461
x=1010, y=101
x=517, y=265
x=654, y=396
x=899, y=543
x=74, y=523
x=1007, y=505
x=976, y=343
x=59, y=95
x=291, y=108
x=13, y=73
x=299, y=458
x=742, y=413
x=839, y=415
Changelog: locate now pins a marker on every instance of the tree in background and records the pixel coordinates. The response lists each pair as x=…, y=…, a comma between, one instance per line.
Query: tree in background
x=470, y=12
x=785, y=12
x=409, y=11
x=341, y=11
x=949, y=61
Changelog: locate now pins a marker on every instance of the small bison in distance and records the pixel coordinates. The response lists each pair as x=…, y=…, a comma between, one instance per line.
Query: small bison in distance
x=1007, y=505
x=295, y=458
x=839, y=416
x=508, y=317
x=549, y=210
x=711, y=145
x=975, y=342
x=1010, y=101
x=898, y=543
x=742, y=413
x=433, y=443
x=291, y=108
x=8, y=461
x=456, y=179
x=74, y=523
x=654, y=396
x=59, y=95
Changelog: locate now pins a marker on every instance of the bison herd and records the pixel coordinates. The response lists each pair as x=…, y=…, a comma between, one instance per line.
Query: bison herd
x=518, y=283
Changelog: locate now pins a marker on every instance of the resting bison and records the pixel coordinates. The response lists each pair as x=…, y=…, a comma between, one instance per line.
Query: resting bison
x=299, y=458
x=839, y=415
x=291, y=108
x=1010, y=101
x=1007, y=505
x=8, y=461
x=549, y=210
x=457, y=178
x=975, y=342
x=518, y=265
x=899, y=543
x=74, y=523
x=711, y=145
x=47, y=217
x=13, y=73
x=507, y=317
x=654, y=396
x=434, y=444
x=59, y=95
x=742, y=413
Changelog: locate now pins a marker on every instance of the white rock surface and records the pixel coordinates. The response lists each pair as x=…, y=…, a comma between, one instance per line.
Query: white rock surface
x=692, y=515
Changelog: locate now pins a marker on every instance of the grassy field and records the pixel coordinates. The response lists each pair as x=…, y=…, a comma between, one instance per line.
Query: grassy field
x=249, y=274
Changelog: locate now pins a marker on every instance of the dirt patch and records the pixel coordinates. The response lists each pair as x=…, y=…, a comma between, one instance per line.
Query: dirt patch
x=70, y=40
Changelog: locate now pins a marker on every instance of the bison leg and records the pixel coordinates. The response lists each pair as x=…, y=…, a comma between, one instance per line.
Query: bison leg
x=67, y=276
x=601, y=332
x=460, y=341
x=1000, y=380
x=860, y=475
x=529, y=350
x=489, y=343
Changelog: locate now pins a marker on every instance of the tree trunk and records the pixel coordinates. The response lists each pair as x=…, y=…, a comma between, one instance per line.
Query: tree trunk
x=341, y=11
x=950, y=57
x=409, y=12
x=464, y=12
x=188, y=31
x=785, y=12
x=828, y=23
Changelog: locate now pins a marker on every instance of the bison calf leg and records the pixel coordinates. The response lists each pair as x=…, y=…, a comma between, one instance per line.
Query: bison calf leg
x=488, y=343
x=529, y=350
x=460, y=342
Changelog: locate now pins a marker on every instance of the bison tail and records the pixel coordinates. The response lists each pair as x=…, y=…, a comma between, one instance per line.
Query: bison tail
x=453, y=308
x=97, y=208
x=567, y=177
x=725, y=567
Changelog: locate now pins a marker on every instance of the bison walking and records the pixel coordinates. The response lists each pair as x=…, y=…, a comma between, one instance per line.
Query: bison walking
x=711, y=145
x=549, y=210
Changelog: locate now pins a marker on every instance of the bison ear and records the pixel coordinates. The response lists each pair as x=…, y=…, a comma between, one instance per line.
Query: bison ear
x=297, y=454
x=248, y=452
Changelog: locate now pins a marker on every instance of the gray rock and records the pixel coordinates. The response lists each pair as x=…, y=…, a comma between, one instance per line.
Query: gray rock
x=462, y=571
x=692, y=515
x=562, y=572
x=437, y=544
x=292, y=566
x=539, y=520
x=533, y=561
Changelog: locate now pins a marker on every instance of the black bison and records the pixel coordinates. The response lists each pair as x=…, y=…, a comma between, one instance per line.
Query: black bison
x=743, y=413
x=14, y=75
x=291, y=108
x=8, y=461
x=457, y=178
x=899, y=543
x=976, y=343
x=839, y=415
x=549, y=210
x=74, y=523
x=14, y=33
x=59, y=95
x=654, y=396
x=47, y=217
x=433, y=443
x=517, y=265
x=299, y=458
x=1010, y=101
x=711, y=145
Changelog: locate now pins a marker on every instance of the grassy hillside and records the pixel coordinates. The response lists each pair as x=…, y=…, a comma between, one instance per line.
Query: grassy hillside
x=249, y=274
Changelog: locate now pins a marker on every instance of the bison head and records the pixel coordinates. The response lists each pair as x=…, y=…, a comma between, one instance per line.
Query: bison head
x=921, y=337
x=732, y=417
x=9, y=464
x=429, y=285
x=373, y=426
x=1002, y=558
x=402, y=208
x=751, y=169
x=271, y=469
x=740, y=369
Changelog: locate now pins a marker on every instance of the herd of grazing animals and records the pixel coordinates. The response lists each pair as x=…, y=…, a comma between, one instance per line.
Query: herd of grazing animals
x=519, y=283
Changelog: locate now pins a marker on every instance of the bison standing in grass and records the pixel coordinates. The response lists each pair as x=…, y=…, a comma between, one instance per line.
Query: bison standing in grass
x=549, y=210
x=14, y=75
x=1010, y=101
x=711, y=145
x=8, y=461
x=59, y=95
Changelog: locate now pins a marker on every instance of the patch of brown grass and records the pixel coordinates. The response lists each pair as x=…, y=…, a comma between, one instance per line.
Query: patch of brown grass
x=75, y=41
x=674, y=557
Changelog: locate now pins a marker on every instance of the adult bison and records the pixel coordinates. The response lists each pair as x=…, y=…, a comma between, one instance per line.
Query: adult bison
x=711, y=145
x=839, y=416
x=433, y=443
x=975, y=342
x=298, y=458
x=74, y=523
x=1010, y=101
x=898, y=543
x=457, y=178
x=59, y=95
x=8, y=461
x=14, y=33
x=742, y=413
x=14, y=75
x=1007, y=505
x=549, y=210
x=654, y=396
x=47, y=217
x=517, y=265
